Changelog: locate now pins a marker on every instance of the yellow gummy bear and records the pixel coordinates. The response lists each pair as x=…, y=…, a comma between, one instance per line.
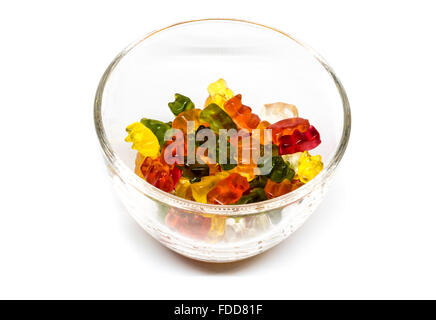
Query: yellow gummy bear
x=201, y=189
x=143, y=140
x=219, y=93
x=309, y=166
x=183, y=189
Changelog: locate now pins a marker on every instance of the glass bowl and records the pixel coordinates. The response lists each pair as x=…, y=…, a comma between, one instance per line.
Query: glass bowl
x=265, y=65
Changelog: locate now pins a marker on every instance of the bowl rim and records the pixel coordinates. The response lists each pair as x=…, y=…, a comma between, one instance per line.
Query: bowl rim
x=128, y=177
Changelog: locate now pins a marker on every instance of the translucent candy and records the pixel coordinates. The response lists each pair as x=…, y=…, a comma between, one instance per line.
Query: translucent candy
x=219, y=93
x=292, y=159
x=201, y=189
x=183, y=189
x=299, y=141
x=241, y=114
x=217, y=118
x=158, y=174
x=228, y=190
x=275, y=189
x=191, y=225
x=180, y=122
x=277, y=111
x=309, y=166
x=245, y=170
x=287, y=127
x=143, y=140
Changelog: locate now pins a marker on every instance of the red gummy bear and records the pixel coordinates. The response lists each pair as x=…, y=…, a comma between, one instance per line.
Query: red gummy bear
x=240, y=114
x=299, y=141
x=228, y=190
x=287, y=127
x=188, y=224
x=158, y=174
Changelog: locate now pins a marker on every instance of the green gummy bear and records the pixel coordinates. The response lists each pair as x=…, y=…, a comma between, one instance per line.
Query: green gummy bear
x=157, y=127
x=259, y=182
x=217, y=118
x=255, y=195
x=280, y=170
x=180, y=104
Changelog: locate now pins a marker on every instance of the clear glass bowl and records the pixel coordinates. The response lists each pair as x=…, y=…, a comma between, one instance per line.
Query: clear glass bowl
x=265, y=65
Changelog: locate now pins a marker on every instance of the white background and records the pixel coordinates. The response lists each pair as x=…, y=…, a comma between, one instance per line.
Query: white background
x=64, y=234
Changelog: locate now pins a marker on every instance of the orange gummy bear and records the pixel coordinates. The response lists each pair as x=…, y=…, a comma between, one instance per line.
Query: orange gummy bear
x=228, y=190
x=275, y=189
x=240, y=114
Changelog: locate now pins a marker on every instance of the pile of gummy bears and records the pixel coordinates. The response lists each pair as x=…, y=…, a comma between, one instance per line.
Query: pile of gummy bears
x=227, y=183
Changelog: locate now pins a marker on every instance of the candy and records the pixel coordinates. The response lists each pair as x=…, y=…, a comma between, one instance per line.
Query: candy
x=298, y=141
x=277, y=189
x=176, y=174
x=188, y=224
x=255, y=195
x=180, y=104
x=219, y=93
x=292, y=159
x=241, y=115
x=217, y=118
x=277, y=111
x=259, y=182
x=158, y=174
x=245, y=170
x=195, y=158
x=201, y=189
x=181, y=121
x=217, y=227
x=138, y=163
x=158, y=128
x=143, y=140
x=309, y=166
x=194, y=172
x=280, y=170
x=183, y=189
x=228, y=190
x=287, y=127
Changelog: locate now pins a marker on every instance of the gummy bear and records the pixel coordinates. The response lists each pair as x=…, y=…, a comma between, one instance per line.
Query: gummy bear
x=255, y=195
x=277, y=189
x=292, y=159
x=201, y=189
x=309, y=166
x=143, y=140
x=181, y=121
x=245, y=170
x=219, y=93
x=217, y=227
x=217, y=118
x=158, y=128
x=295, y=184
x=183, y=189
x=158, y=174
x=280, y=170
x=180, y=104
x=299, y=141
x=138, y=163
x=277, y=111
x=241, y=114
x=194, y=172
x=228, y=190
x=287, y=127
x=259, y=182
x=191, y=225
